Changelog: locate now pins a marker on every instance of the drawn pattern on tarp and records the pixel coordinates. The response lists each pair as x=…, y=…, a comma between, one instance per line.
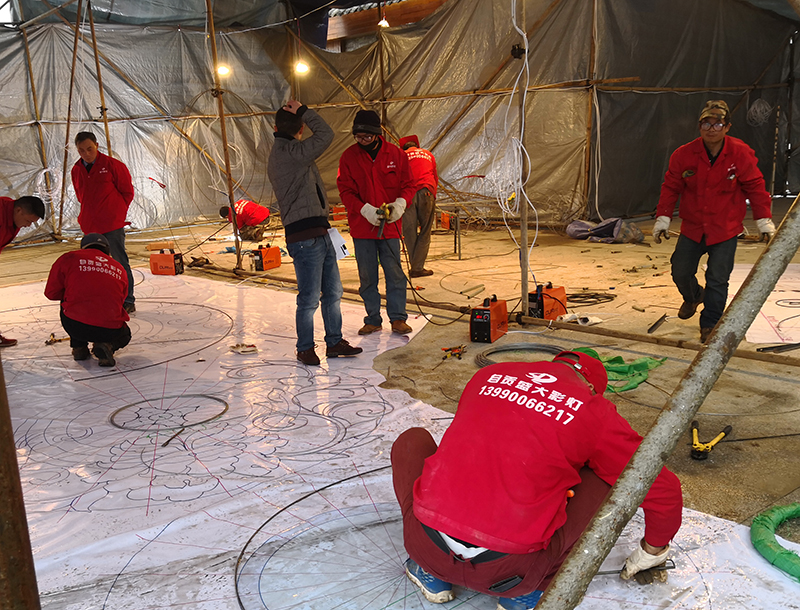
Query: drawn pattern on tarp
x=779, y=318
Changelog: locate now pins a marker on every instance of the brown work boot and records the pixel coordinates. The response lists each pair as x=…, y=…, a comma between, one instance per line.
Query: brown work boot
x=368, y=329
x=309, y=357
x=688, y=309
x=80, y=353
x=422, y=273
x=400, y=327
x=705, y=333
x=104, y=354
x=343, y=348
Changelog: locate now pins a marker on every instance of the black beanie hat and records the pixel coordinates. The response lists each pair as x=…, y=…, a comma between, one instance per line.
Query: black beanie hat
x=367, y=121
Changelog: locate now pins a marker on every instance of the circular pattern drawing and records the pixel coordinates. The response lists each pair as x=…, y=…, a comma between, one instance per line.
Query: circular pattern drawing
x=169, y=412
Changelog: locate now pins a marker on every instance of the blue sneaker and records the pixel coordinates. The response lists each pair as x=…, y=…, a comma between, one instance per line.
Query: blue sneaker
x=523, y=602
x=434, y=589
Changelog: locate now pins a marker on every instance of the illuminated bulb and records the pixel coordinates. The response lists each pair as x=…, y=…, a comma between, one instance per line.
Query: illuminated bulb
x=301, y=67
x=383, y=23
x=223, y=70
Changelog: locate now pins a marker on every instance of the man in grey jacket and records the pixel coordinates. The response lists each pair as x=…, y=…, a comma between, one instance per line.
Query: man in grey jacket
x=304, y=209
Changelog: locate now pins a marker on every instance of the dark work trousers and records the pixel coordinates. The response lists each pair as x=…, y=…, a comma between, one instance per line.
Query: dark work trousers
x=80, y=334
x=116, y=243
x=536, y=569
x=685, y=260
x=419, y=214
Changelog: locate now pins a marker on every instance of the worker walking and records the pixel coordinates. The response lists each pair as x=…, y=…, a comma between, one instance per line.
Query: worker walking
x=16, y=214
x=529, y=458
x=420, y=213
x=92, y=288
x=713, y=176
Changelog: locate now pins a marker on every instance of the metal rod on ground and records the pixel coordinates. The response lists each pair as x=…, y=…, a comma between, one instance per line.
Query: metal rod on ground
x=224, y=133
x=18, y=589
x=567, y=589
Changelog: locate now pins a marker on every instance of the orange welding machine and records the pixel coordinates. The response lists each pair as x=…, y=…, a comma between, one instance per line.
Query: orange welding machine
x=266, y=257
x=166, y=262
x=548, y=302
x=490, y=322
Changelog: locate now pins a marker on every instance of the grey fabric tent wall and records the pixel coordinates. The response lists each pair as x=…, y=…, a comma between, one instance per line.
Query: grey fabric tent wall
x=423, y=78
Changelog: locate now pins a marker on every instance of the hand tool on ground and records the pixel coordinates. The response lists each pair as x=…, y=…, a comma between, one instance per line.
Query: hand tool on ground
x=53, y=339
x=700, y=450
x=658, y=323
x=669, y=565
x=456, y=351
x=779, y=349
x=383, y=213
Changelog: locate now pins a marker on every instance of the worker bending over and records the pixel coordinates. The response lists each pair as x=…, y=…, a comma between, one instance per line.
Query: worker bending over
x=92, y=288
x=529, y=458
x=251, y=219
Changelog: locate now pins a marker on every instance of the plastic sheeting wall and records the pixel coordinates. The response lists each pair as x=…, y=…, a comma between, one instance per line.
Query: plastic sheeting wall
x=426, y=75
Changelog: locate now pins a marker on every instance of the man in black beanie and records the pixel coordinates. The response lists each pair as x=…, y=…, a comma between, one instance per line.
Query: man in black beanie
x=375, y=185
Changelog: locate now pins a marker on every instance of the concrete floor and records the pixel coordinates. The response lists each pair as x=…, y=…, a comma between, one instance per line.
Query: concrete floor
x=751, y=470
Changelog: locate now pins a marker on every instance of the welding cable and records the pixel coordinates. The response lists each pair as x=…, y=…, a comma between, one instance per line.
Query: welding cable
x=590, y=298
x=762, y=535
x=482, y=359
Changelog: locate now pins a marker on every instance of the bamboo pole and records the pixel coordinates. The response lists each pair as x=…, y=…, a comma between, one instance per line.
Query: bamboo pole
x=523, y=197
x=218, y=91
x=103, y=109
x=37, y=115
x=69, y=117
x=43, y=15
x=587, y=168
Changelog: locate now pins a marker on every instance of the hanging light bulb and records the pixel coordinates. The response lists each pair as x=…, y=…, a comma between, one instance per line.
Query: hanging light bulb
x=223, y=70
x=301, y=67
x=383, y=23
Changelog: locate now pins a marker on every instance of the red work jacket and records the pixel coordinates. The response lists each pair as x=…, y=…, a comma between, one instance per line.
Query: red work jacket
x=91, y=286
x=521, y=434
x=8, y=230
x=104, y=194
x=248, y=213
x=423, y=169
x=362, y=180
x=712, y=198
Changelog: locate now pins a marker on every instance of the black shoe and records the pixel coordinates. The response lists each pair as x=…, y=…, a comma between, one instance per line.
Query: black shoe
x=423, y=273
x=308, y=356
x=80, y=353
x=688, y=309
x=129, y=307
x=343, y=348
x=104, y=353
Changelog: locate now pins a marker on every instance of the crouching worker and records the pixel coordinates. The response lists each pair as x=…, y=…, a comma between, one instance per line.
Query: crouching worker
x=529, y=458
x=92, y=288
x=251, y=219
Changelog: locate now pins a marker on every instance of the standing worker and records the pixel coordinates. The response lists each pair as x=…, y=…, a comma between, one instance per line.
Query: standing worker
x=375, y=185
x=92, y=288
x=16, y=214
x=104, y=189
x=251, y=218
x=304, y=209
x=713, y=176
x=529, y=458
x=420, y=213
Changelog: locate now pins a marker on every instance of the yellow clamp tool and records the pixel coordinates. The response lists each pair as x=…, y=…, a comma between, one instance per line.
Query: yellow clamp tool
x=383, y=212
x=700, y=450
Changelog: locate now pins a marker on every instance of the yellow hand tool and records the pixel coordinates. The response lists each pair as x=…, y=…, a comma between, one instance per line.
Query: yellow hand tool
x=700, y=450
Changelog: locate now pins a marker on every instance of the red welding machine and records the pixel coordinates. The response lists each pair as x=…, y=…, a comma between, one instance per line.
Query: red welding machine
x=166, y=262
x=490, y=322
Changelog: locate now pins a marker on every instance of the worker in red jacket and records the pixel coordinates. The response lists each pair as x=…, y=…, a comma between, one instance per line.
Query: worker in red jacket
x=713, y=176
x=104, y=189
x=251, y=218
x=418, y=219
x=529, y=458
x=92, y=288
x=16, y=214
x=375, y=185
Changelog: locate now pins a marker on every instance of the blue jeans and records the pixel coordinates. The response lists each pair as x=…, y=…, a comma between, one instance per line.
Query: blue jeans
x=317, y=274
x=116, y=242
x=685, y=260
x=369, y=252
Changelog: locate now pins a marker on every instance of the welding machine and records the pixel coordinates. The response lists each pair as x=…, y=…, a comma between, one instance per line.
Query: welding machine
x=490, y=322
x=166, y=262
x=548, y=302
x=266, y=257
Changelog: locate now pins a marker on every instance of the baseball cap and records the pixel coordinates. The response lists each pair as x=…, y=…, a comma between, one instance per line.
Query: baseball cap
x=588, y=367
x=95, y=240
x=717, y=109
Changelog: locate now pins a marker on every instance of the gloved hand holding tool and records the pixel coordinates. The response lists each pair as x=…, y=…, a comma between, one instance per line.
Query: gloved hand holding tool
x=396, y=210
x=383, y=214
x=661, y=227
x=371, y=213
x=647, y=564
x=767, y=229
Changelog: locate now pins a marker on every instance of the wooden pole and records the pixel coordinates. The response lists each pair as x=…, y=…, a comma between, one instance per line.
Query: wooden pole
x=522, y=196
x=589, y=107
x=217, y=92
x=103, y=109
x=69, y=118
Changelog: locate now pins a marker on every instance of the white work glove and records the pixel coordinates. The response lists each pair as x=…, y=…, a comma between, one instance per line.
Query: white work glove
x=396, y=209
x=639, y=563
x=370, y=212
x=766, y=227
x=661, y=228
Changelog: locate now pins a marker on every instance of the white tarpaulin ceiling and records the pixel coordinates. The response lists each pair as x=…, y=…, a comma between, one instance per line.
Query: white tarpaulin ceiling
x=628, y=75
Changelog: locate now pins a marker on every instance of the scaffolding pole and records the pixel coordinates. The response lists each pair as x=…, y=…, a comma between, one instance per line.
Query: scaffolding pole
x=18, y=589
x=567, y=589
x=217, y=92
x=103, y=108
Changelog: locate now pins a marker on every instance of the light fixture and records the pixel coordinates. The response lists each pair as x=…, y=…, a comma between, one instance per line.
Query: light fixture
x=383, y=23
x=301, y=67
x=223, y=70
